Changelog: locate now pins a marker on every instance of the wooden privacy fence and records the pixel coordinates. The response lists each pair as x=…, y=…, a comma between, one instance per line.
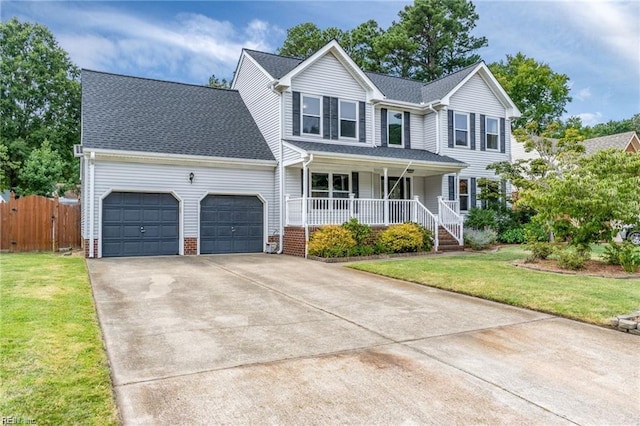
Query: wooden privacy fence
x=36, y=223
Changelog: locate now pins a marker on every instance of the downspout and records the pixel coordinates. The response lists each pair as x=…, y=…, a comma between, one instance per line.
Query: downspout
x=305, y=191
x=92, y=159
x=282, y=203
x=437, y=113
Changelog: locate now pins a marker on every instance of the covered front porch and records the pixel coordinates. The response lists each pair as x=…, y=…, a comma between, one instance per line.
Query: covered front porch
x=379, y=189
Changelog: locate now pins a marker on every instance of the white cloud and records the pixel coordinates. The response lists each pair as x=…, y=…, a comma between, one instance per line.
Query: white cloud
x=583, y=94
x=187, y=44
x=590, y=118
x=614, y=25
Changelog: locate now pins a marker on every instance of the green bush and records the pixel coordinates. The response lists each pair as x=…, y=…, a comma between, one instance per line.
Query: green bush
x=361, y=232
x=331, y=241
x=569, y=258
x=512, y=236
x=611, y=253
x=539, y=250
x=481, y=219
x=427, y=238
x=407, y=237
x=535, y=231
x=480, y=239
x=630, y=257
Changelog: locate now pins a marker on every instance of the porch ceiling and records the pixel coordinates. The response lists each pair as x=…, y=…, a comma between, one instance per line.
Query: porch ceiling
x=422, y=162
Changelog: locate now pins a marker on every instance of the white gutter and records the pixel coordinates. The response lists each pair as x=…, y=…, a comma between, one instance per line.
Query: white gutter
x=282, y=203
x=92, y=204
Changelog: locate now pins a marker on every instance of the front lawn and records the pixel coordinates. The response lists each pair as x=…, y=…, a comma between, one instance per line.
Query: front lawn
x=53, y=367
x=491, y=276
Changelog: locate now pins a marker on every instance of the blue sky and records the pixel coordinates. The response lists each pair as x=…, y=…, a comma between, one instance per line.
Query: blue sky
x=596, y=43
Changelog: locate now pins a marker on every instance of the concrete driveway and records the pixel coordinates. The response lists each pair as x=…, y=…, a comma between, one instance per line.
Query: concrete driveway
x=264, y=339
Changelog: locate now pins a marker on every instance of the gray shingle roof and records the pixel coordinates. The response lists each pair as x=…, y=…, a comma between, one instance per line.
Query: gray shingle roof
x=395, y=88
x=276, y=65
x=619, y=141
x=378, y=152
x=138, y=114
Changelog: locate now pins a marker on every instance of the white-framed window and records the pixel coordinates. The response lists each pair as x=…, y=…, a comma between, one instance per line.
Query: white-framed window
x=311, y=115
x=395, y=134
x=461, y=129
x=492, y=134
x=463, y=194
x=330, y=185
x=348, y=115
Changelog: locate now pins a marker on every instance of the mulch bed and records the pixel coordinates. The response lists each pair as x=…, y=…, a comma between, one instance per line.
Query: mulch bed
x=593, y=268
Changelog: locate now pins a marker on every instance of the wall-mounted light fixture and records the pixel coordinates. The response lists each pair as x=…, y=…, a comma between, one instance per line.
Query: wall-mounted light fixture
x=410, y=171
x=191, y=177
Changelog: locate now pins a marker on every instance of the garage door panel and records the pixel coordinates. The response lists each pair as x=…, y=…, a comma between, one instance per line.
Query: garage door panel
x=231, y=224
x=126, y=214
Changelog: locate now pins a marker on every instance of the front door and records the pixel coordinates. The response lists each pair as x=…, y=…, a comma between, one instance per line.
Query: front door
x=399, y=189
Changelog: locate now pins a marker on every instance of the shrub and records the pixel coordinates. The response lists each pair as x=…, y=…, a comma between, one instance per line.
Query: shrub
x=361, y=251
x=480, y=219
x=512, y=236
x=331, y=241
x=611, y=253
x=569, y=258
x=427, y=238
x=407, y=237
x=361, y=232
x=539, y=250
x=630, y=257
x=479, y=239
x=535, y=232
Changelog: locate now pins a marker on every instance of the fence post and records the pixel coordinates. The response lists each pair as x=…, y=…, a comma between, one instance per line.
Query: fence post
x=351, y=211
x=414, y=209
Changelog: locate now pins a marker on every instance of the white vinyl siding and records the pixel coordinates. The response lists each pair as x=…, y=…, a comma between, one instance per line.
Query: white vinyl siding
x=140, y=177
x=474, y=97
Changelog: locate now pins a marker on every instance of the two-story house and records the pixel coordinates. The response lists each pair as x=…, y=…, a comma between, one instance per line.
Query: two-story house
x=296, y=144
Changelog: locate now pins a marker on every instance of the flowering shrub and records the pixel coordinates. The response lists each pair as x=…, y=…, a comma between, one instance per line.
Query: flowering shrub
x=407, y=237
x=331, y=241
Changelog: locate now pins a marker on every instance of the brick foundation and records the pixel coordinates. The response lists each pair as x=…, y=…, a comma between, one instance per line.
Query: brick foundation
x=85, y=246
x=190, y=246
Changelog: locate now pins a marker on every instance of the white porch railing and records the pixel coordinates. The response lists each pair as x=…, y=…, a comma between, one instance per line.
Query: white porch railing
x=450, y=219
x=375, y=212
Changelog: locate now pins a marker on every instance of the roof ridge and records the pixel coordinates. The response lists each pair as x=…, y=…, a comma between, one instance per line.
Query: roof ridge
x=157, y=80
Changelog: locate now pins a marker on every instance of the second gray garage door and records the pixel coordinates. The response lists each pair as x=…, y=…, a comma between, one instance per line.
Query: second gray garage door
x=231, y=224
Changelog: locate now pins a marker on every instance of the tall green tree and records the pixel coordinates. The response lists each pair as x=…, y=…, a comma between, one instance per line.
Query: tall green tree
x=42, y=171
x=431, y=38
x=540, y=93
x=217, y=83
x=39, y=99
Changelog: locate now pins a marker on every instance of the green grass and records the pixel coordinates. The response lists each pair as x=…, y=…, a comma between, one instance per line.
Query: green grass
x=492, y=276
x=53, y=368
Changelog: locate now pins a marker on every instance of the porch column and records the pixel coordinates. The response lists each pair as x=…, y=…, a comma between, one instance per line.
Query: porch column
x=386, y=197
x=305, y=186
x=414, y=209
x=286, y=209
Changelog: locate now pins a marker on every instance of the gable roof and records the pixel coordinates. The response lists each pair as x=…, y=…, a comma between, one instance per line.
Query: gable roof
x=137, y=114
x=618, y=141
x=393, y=88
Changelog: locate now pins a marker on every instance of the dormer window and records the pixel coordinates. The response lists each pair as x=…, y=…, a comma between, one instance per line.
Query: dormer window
x=348, y=119
x=311, y=118
x=394, y=126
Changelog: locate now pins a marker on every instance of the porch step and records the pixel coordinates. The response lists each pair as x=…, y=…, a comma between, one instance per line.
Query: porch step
x=446, y=242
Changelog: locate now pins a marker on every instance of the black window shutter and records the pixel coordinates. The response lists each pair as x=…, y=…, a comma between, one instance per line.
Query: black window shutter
x=355, y=186
x=472, y=192
x=472, y=130
x=407, y=130
x=301, y=182
x=452, y=188
x=296, y=113
x=383, y=127
x=334, y=118
x=483, y=134
x=326, y=124
x=450, y=125
x=503, y=143
x=362, y=117
x=503, y=189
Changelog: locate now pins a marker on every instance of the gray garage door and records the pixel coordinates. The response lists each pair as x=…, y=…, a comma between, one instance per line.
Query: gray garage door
x=231, y=224
x=139, y=224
